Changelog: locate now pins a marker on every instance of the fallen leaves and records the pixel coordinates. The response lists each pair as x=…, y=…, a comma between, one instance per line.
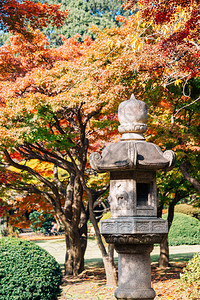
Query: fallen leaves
x=91, y=284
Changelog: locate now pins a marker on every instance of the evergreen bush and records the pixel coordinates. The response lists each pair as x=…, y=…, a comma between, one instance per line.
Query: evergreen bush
x=190, y=279
x=185, y=230
x=27, y=272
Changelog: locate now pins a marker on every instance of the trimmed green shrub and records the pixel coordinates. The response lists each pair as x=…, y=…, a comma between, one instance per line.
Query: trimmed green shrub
x=188, y=210
x=185, y=230
x=190, y=279
x=27, y=272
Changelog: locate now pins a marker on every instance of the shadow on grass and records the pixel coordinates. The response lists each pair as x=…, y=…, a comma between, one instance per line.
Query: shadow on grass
x=183, y=257
x=60, y=240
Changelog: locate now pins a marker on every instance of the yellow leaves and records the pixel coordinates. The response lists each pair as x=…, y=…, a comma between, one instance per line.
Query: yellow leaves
x=138, y=14
x=182, y=14
x=154, y=85
x=177, y=82
x=43, y=168
x=110, y=44
x=157, y=27
x=136, y=43
x=137, y=18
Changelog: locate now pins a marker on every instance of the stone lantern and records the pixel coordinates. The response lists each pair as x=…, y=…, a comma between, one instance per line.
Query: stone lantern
x=133, y=227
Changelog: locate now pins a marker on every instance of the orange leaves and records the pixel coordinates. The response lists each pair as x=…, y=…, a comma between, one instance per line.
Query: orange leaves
x=24, y=205
x=18, y=56
x=98, y=73
x=165, y=104
x=172, y=26
x=121, y=19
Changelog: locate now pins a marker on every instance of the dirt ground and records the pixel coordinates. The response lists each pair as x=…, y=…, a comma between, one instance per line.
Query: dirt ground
x=91, y=284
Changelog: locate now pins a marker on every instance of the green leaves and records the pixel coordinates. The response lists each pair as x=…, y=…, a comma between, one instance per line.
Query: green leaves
x=185, y=230
x=27, y=271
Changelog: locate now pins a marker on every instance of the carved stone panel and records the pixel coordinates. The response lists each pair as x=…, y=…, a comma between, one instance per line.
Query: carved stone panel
x=122, y=197
x=133, y=225
x=142, y=226
x=159, y=226
x=108, y=227
x=124, y=227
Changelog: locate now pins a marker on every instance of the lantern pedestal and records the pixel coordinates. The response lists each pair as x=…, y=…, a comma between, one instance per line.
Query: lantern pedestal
x=134, y=269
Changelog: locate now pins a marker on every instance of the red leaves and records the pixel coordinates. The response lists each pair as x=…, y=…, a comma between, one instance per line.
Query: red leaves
x=16, y=156
x=14, y=15
x=166, y=11
x=7, y=176
x=163, y=14
x=3, y=208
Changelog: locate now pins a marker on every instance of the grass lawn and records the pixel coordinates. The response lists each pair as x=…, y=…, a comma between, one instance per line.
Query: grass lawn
x=91, y=283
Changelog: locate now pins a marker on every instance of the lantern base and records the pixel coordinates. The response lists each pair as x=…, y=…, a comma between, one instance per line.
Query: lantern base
x=134, y=269
x=135, y=295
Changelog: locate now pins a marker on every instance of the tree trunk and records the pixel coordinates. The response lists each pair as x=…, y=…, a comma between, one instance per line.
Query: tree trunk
x=83, y=237
x=111, y=249
x=76, y=242
x=164, y=254
x=111, y=276
x=110, y=269
x=108, y=263
x=76, y=235
x=73, y=253
x=164, y=246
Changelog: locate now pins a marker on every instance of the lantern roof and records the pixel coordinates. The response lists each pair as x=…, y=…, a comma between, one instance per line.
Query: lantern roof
x=132, y=151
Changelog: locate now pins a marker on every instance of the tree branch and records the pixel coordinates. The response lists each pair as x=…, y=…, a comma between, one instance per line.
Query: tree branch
x=188, y=177
x=32, y=172
x=186, y=106
x=92, y=216
x=58, y=182
x=92, y=114
x=58, y=127
x=46, y=156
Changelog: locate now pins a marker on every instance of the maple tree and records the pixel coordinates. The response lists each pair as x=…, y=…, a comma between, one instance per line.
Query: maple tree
x=176, y=24
x=16, y=15
x=58, y=125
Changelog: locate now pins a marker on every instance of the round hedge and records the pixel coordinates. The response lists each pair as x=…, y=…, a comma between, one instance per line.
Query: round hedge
x=185, y=230
x=27, y=272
